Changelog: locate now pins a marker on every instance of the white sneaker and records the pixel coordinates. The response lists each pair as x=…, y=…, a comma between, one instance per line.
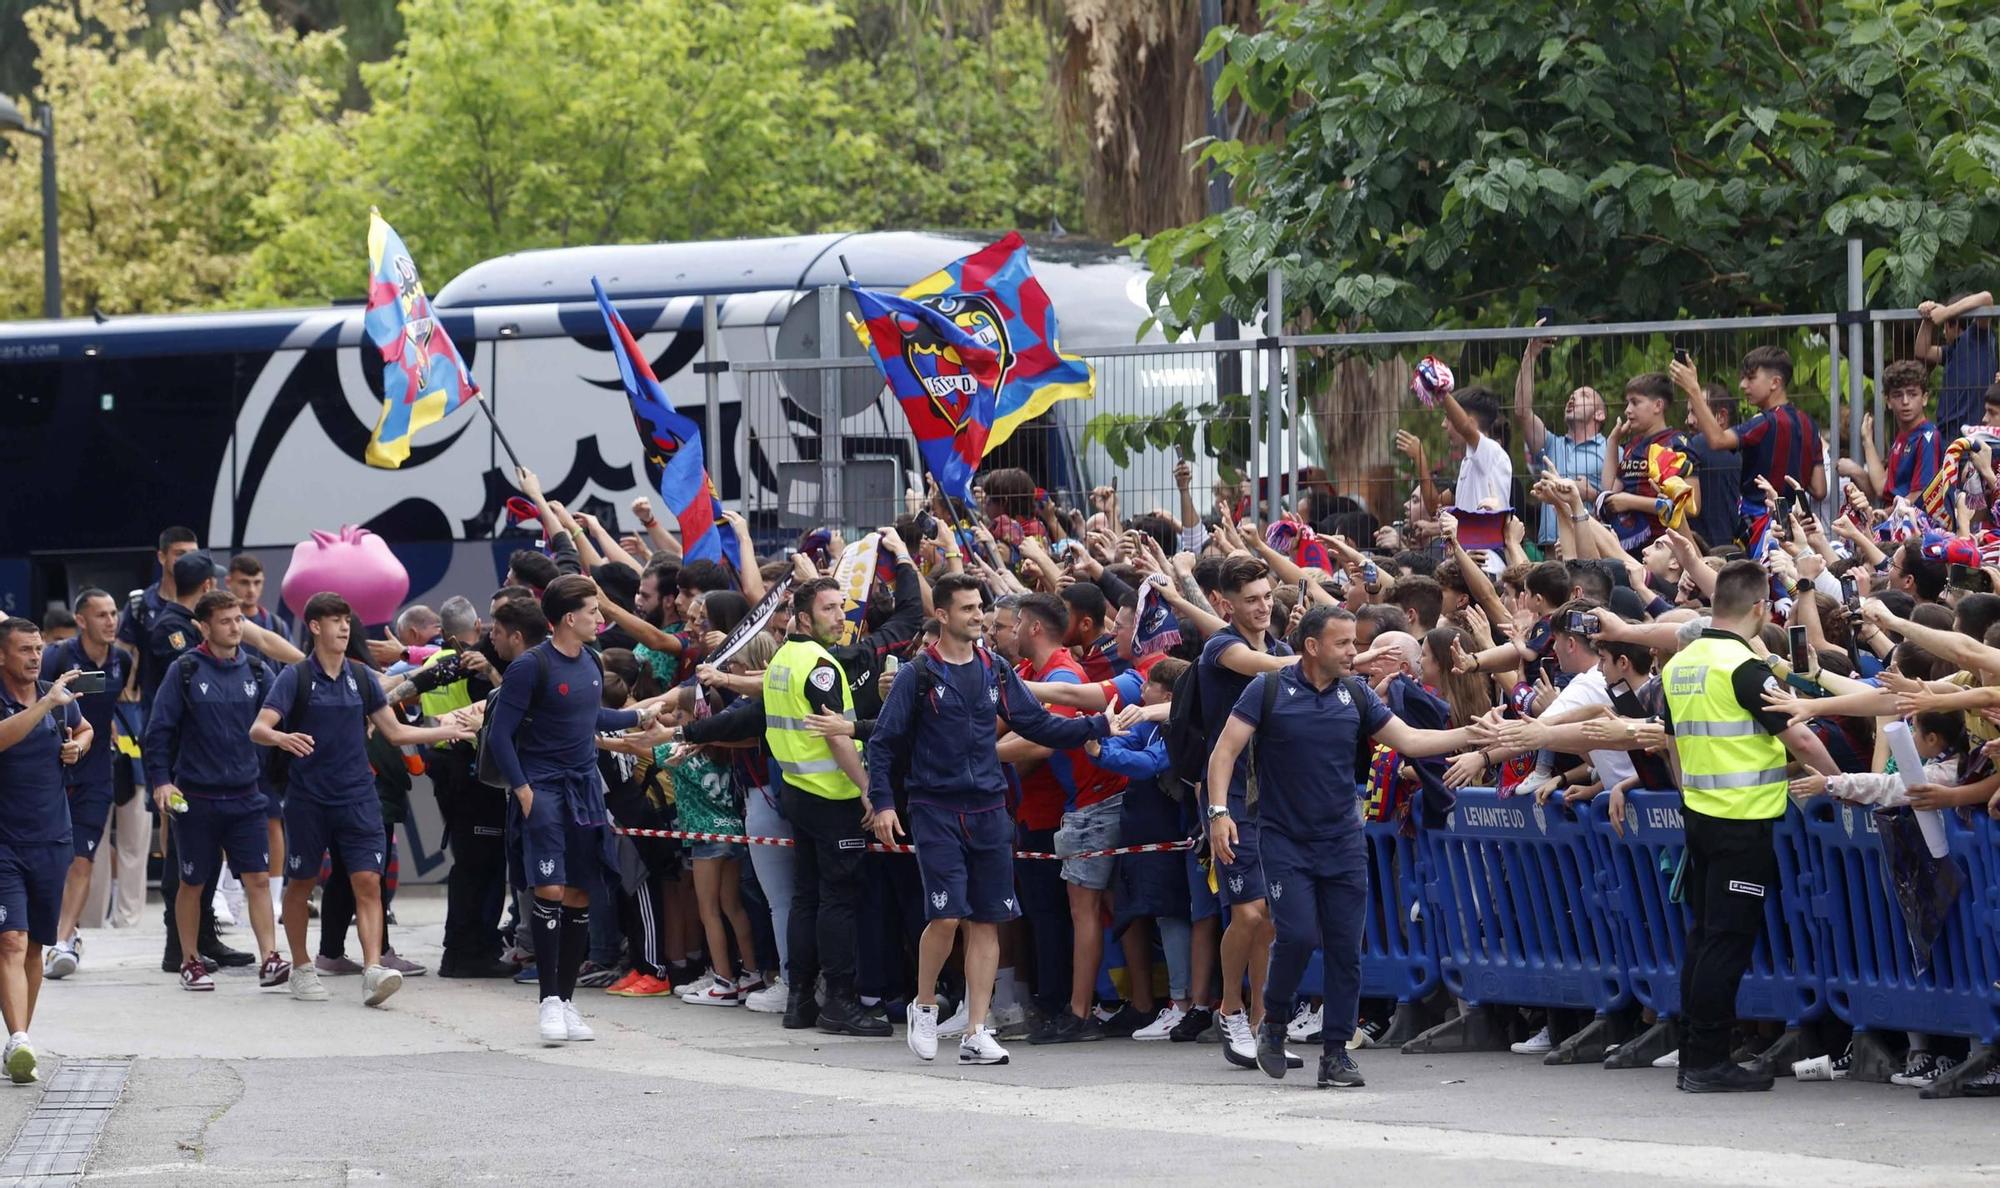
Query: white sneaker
x=979, y=1047
x=1239, y=1047
x=19, y=1059
x=1162, y=1025
x=1538, y=1044
x=1921, y=1069
x=1305, y=1025
x=550, y=1021
x=956, y=1025
x=378, y=982
x=697, y=987
x=58, y=961
x=922, y=1032
x=1670, y=1060
x=306, y=986
x=574, y=1025
x=771, y=999
x=719, y=991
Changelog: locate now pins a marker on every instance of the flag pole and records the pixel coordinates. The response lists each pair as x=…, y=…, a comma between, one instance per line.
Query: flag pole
x=498, y=432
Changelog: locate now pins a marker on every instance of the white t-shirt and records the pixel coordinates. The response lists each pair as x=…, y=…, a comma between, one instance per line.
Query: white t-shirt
x=1486, y=473
x=1587, y=689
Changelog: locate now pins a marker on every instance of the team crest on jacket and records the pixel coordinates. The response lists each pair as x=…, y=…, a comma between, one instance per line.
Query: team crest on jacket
x=250, y=688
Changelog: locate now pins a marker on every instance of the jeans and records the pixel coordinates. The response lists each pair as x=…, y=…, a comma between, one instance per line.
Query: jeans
x=1177, y=941
x=775, y=866
x=827, y=884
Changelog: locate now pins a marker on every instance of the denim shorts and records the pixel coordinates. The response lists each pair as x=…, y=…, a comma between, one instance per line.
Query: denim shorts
x=715, y=849
x=1093, y=827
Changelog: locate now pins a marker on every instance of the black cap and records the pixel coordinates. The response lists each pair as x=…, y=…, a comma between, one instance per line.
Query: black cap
x=191, y=570
x=1628, y=605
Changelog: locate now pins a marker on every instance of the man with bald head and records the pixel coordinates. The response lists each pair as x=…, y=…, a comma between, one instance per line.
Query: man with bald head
x=1392, y=665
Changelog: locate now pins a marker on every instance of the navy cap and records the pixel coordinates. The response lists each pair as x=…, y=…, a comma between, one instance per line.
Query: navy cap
x=191, y=570
x=1628, y=605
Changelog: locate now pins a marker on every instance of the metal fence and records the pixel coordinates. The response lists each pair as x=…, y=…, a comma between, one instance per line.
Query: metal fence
x=1282, y=413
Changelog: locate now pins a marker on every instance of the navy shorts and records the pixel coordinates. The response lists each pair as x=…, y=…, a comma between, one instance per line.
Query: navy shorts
x=966, y=861
x=1201, y=900
x=1241, y=881
x=550, y=847
x=89, y=809
x=31, y=888
x=353, y=831
x=274, y=806
x=214, y=826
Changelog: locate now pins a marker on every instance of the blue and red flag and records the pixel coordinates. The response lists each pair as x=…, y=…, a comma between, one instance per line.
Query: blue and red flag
x=993, y=295
x=424, y=379
x=673, y=448
x=944, y=378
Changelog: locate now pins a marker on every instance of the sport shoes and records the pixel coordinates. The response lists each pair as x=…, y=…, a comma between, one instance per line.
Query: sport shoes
x=59, y=960
x=194, y=975
x=336, y=966
x=1986, y=1084
x=574, y=1025
x=697, y=986
x=922, y=1033
x=1922, y=1068
x=771, y=1000
x=979, y=1047
x=1538, y=1044
x=1194, y=1023
x=1239, y=1047
x=649, y=986
x=1122, y=1023
x=596, y=976
x=625, y=983
x=1723, y=1078
x=957, y=1023
x=1305, y=1027
x=1368, y=1034
x=554, y=1027
x=378, y=983
x=1337, y=1070
x=403, y=965
x=306, y=986
x=718, y=992
x=19, y=1059
x=1065, y=1027
x=275, y=971
x=1271, y=1049
x=1163, y=1024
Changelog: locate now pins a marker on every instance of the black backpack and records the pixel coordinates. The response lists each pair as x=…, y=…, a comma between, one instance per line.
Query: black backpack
x=1186, y=738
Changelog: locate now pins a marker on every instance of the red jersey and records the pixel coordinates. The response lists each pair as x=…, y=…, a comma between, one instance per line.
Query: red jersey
x=1066, y=779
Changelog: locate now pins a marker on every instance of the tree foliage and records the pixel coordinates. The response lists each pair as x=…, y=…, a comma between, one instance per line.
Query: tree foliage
x=1444, y=164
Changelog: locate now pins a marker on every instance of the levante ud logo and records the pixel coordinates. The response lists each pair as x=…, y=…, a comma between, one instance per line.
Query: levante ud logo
x=950, y=385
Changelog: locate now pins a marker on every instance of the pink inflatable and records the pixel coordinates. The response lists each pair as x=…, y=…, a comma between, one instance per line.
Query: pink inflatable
x=355, y=564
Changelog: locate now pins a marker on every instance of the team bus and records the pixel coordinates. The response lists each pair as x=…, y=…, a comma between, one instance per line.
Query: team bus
x=250, y=427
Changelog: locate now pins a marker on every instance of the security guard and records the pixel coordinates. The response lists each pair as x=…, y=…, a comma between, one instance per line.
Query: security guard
x=1730, y=752
x=822, y=792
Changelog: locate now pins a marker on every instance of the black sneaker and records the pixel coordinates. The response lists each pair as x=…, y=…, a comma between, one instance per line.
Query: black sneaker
x=1121, y=1023
x=844, y=1015
x=1066, y=1028
x=1723, y=1078
x=1271, y=1049
x=1370, y=1032
x=212, y=949
x=1192, y=1025
x=1337, y=1070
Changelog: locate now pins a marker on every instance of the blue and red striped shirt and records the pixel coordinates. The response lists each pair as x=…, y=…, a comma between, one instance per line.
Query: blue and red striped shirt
x=1778, y=443
x=1914, y=458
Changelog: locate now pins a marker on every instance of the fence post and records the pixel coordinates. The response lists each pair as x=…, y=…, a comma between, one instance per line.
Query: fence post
x=1881, y=416
x=711, y=352
x=1831, y=507
x=831, y=512
x=1274, y=373
x=1855, y=302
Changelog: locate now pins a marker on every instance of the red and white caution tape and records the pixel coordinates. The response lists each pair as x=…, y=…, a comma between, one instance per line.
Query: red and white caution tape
x=745, y=839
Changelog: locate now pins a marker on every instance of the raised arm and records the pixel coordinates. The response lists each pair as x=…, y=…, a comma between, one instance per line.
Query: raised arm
x=1961, y=650
x=1718, y=436
x=1533, y=433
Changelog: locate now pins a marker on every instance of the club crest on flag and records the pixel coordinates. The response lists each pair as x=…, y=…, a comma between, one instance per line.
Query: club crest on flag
x=424, y=379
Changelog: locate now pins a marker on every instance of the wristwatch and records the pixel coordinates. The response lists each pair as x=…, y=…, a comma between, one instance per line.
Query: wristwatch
x=1217, y=810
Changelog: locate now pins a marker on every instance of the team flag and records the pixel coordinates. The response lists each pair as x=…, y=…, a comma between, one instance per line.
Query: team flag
x=993, y=295
x=855, y=572
x=424, y=380
x=944, y=378
x=673, y=448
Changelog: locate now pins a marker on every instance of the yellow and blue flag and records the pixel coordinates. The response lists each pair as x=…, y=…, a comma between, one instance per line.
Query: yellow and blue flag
x=424, y=379
x=993, y=295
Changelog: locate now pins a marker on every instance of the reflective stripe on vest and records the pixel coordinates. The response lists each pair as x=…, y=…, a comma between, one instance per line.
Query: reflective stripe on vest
x=803, y=756
x=441, y=701
x=1730, y=766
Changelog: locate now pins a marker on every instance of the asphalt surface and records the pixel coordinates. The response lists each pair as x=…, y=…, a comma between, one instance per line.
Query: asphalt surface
x=447, y=1083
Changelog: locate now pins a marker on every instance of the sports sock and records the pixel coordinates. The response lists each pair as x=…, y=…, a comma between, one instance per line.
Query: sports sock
x=547, y=933
x=575, y=943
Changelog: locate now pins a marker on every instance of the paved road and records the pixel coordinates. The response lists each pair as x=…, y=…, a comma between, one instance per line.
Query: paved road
x=449, y=1085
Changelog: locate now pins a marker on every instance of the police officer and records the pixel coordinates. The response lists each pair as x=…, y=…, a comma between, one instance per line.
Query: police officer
x=92, y=649
x=41, y=732
x=454, y=677
x=1729, y=753
x=1306, y=724
x=198, y=754
x=821, y=784
x=135, y=622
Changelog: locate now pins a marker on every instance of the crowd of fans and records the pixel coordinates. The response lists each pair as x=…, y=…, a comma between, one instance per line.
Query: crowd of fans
x=1529, y=597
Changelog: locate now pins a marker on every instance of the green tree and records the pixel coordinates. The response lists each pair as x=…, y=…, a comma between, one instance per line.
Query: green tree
x=162, y=151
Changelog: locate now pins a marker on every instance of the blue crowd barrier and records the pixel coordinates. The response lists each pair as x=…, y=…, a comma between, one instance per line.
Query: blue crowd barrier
x=1784, y=982
x=1871, y=977
x=1516, y=907
x=1398, y=957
